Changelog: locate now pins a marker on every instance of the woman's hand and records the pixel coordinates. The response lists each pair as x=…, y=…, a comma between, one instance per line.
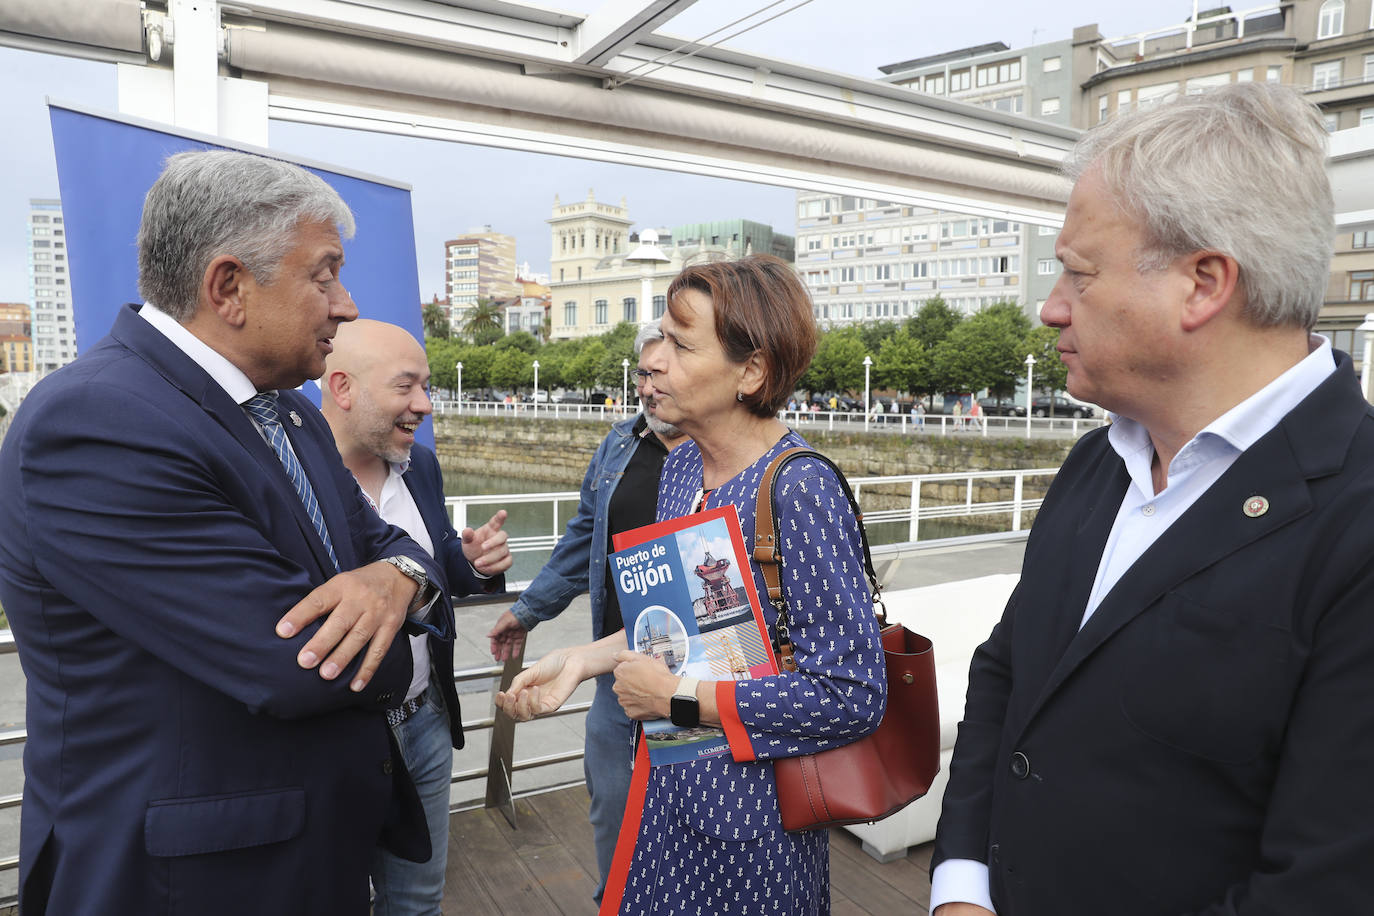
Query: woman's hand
x=644, y=685
x=543, y=687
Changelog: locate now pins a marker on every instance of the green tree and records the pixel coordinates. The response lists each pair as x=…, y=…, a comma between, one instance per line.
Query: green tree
x=523, y=341
x=839, y=361
x=1050, y=371
x=985, y=350
x=434, y=317
x=585, y=367
x=511, y=368
x=875, y=333
x=933, y=322
x=477, y=363
x=483, y=323
x=902, y=363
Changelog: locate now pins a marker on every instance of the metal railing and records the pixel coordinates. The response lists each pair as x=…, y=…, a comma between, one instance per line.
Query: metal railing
x=936, y=424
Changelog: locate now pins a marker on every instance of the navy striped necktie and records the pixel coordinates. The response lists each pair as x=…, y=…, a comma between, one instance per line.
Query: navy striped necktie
x=263, y=407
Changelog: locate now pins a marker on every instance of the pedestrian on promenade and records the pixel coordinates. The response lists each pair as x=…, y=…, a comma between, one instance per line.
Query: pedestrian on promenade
x=618, y=494
x=706, y=836
x=375, y=394
x=1172, y=715
x=203, y=603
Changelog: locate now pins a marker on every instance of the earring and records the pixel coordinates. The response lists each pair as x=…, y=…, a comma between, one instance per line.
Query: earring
x=738, y=396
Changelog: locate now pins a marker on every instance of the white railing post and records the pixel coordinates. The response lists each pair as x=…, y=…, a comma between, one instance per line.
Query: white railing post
x=913, y=525
x=1017, y=492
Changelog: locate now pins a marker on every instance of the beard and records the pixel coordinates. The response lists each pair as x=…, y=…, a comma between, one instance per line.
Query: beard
x=376, y=431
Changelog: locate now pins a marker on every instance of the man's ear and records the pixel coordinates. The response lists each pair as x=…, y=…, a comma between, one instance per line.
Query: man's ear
x=224, y=286
x=339, y=384
x=1215, y=282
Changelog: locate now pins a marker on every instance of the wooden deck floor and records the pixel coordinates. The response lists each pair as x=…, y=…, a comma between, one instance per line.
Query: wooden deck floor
x=548, y=868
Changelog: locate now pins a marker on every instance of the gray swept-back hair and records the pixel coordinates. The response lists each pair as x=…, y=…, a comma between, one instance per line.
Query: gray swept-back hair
x=216, y=202
x=648, y=332
x=1238, y=170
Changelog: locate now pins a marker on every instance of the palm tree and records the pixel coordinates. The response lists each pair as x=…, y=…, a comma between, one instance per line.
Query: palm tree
x=485, y=321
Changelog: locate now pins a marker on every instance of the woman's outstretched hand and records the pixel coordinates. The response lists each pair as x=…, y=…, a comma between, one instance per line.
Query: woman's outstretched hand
x=541, y=688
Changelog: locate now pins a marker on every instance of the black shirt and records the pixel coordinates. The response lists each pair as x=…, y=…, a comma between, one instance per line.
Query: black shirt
x=633, y=505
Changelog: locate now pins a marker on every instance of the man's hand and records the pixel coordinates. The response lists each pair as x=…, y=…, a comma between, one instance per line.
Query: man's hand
x=961, y=909
x=485, y=548
x=364, y=607
x=507, y=637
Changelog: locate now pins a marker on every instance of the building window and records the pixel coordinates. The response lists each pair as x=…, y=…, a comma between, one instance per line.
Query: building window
x=602, y=310
x=1274, y=74
x=1049, y=107
x=1149, y=96
x=1199, y=84
x=570, y=313
x=660, y=306
x=1245, y=76
x=1362, y=285
x=1331, y=19
x=1326, y=75
x=1331, y=121
x=1369, y=68
x=1362, y=240
x=1052, y=65
x=631, y=312
x=935, y=85
x=1046, y=267
x=960, y=80
x=1123, y=101
x=1101, y=108
x=1366, y=117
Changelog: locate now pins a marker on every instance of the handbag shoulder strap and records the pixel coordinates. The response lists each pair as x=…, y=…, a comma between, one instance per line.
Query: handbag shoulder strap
x=767, y=537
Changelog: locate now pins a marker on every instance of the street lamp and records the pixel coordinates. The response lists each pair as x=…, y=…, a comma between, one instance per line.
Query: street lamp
x=1368, y=328
x=647, y=256
x=536, y=387
x=1030, y=379
x=459, y=367
x=624, y=381
x=868, y=364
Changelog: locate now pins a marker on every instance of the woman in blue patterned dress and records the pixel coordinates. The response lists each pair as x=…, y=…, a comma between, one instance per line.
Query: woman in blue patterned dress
x=706, y=837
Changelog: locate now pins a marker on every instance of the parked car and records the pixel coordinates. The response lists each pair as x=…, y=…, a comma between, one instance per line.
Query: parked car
x=569, y=397
x=1002, y=407
x=598, y=397
x=1061, y=406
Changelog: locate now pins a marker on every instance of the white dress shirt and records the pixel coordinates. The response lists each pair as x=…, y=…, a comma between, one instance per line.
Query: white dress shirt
x=398, y=508
x=1145, y=515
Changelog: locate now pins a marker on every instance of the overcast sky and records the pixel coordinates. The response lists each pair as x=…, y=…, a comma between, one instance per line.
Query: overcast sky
x=456, y=187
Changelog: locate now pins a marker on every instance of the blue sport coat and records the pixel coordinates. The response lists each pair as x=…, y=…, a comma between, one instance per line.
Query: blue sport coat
x=426, y=484
x=178, y=759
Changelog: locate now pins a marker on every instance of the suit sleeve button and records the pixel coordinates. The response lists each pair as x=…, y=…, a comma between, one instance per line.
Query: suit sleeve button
x=386, y=766
x=1020, y=765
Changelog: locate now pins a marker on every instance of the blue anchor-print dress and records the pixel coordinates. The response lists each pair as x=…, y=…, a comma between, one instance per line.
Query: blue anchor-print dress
x=707, y=836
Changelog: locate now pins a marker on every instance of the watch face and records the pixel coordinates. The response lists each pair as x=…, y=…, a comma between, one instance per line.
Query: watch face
x=685, y=712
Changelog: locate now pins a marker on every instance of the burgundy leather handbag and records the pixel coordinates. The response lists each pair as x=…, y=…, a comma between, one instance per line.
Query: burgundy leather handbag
x=877, y=775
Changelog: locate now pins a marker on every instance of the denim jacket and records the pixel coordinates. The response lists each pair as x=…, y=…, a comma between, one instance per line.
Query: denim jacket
x=579, y=560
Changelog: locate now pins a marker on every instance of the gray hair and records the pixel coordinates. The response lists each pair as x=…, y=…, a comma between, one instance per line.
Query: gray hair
x=648, y=333
x=215, y=202
x=1239, y=170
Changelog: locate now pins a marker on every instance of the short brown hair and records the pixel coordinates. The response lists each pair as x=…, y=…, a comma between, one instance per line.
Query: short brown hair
x=761, y=306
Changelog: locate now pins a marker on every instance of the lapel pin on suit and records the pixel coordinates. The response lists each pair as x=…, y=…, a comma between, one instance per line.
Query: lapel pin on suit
x=295, y=419
x=1256, y=506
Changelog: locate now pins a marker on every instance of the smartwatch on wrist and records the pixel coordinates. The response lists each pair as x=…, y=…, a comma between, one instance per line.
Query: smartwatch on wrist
x=684, y=710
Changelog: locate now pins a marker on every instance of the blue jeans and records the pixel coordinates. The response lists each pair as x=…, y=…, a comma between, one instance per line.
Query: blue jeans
x=407, y=888
x=607, y=763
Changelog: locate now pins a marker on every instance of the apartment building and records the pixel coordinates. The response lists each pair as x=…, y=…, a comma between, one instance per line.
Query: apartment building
x=53, y=323
x=480, y=265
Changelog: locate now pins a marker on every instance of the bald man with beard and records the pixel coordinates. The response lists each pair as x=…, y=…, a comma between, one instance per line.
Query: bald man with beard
x=375, y=395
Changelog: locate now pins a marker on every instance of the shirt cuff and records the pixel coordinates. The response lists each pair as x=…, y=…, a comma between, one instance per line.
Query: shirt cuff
x=476, y=572
x=960, y=881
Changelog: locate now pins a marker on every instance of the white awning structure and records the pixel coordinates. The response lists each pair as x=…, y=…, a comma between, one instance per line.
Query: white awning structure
x=605, y=85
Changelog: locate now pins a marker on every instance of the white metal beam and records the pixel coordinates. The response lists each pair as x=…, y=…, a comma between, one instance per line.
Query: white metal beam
x=195, y=63
x=617, y=24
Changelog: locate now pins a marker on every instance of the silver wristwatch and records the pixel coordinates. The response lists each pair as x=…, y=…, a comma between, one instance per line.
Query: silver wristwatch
x=415, y=573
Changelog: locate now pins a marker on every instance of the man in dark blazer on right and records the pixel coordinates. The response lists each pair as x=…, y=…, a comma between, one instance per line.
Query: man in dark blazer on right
x=1173, y=715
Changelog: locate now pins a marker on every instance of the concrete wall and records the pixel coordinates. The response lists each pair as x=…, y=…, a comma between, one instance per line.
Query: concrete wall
x=557, y=452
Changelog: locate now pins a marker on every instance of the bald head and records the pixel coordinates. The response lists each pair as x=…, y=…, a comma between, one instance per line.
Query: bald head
x=375, y=392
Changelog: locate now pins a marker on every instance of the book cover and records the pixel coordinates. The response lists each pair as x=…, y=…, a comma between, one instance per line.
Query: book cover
x=687, y=595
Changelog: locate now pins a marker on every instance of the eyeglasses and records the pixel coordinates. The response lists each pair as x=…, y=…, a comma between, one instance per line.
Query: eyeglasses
x=642, y=375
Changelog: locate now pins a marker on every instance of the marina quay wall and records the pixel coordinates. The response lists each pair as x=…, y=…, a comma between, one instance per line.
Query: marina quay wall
x=557, y=453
